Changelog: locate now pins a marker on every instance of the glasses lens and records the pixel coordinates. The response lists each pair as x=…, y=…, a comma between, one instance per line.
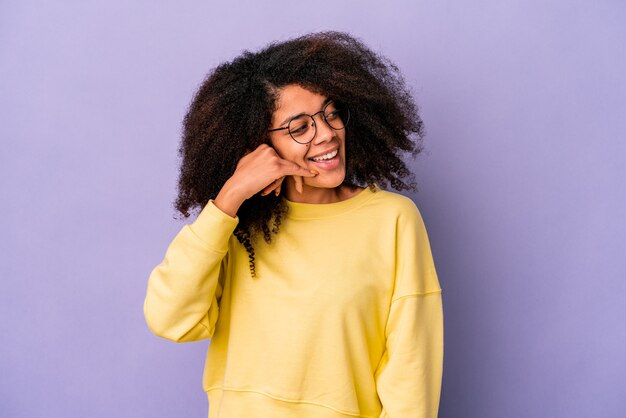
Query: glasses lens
x=336, y=115
x=301, y=129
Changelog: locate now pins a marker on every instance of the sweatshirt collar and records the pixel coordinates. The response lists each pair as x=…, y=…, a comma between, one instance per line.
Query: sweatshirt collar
x=298, y=210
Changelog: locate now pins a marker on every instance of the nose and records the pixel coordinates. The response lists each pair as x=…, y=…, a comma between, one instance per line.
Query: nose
x=323, y=131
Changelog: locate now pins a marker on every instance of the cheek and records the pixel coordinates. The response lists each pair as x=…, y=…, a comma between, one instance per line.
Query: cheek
x=280, y=149
x=293, y=154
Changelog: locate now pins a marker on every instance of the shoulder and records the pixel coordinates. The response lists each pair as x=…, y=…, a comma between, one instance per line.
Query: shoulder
x=395, y=203
x=402, y=212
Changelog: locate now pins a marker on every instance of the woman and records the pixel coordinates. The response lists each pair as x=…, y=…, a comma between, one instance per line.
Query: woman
x=336, y=312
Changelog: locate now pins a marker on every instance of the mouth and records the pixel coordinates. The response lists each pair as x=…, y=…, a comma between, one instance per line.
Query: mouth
x=327, y=161
x=326, y=156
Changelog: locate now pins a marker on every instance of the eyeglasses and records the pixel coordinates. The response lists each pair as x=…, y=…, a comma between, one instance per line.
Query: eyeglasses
x=303, y=129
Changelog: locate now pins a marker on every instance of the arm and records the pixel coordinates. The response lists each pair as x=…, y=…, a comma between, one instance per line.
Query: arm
x=409, y=381
x=181, y=303
x=409, y=375
x=183, y=291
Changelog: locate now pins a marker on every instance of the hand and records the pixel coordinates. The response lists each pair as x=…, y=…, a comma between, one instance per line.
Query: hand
x=261, y=170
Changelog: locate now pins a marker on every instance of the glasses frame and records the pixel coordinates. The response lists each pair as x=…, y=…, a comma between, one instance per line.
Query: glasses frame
x=323, y=112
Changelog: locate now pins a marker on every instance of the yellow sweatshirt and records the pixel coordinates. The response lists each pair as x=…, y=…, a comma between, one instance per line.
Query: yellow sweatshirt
x=344, y=318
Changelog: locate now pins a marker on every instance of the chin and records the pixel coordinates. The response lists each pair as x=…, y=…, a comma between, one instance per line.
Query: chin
x=327, y=182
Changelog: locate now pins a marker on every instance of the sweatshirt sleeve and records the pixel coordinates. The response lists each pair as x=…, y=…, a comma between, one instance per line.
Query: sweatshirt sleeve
x=408, y=378
x=181, y=302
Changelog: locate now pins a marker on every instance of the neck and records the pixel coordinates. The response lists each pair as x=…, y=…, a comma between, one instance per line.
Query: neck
x=314, y=194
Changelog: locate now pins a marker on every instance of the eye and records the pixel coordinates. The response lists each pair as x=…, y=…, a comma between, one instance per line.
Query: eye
x=299, y=130
x=332, y=115
x=299, y=126
x=332, y=110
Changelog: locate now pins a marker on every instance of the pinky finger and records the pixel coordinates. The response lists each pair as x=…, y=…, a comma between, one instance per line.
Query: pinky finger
x=280, y=185
x=271, y=186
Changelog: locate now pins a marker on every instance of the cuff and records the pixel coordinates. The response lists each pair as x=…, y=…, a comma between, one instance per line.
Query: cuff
x=214, y=227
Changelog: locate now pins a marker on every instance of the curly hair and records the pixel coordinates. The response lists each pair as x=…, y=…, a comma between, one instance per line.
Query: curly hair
x=232, y=111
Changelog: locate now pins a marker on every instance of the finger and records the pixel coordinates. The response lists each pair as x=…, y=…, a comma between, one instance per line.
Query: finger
x=293, y=169
x=244, y=157
x=254, y=151
x=272, y=186
x=298, y=180
x=280, y=185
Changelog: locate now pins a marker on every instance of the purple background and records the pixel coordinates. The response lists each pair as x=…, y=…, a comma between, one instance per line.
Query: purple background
x=521, y=188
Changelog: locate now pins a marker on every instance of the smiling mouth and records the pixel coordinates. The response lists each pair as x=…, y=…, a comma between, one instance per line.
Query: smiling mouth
x=326, y=157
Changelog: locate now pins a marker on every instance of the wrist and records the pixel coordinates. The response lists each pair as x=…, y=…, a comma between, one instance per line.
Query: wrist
x=228, y=200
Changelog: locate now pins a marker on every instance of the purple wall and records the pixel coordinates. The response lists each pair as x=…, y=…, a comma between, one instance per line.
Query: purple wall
x=522, y=191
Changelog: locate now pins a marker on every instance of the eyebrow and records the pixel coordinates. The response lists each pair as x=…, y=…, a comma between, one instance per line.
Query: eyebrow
x=328, y=100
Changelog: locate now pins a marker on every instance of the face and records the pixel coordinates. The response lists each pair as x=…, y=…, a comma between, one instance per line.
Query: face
x=294, y=100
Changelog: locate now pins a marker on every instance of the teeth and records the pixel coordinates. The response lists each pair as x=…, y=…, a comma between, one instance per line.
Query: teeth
x=325, y=156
